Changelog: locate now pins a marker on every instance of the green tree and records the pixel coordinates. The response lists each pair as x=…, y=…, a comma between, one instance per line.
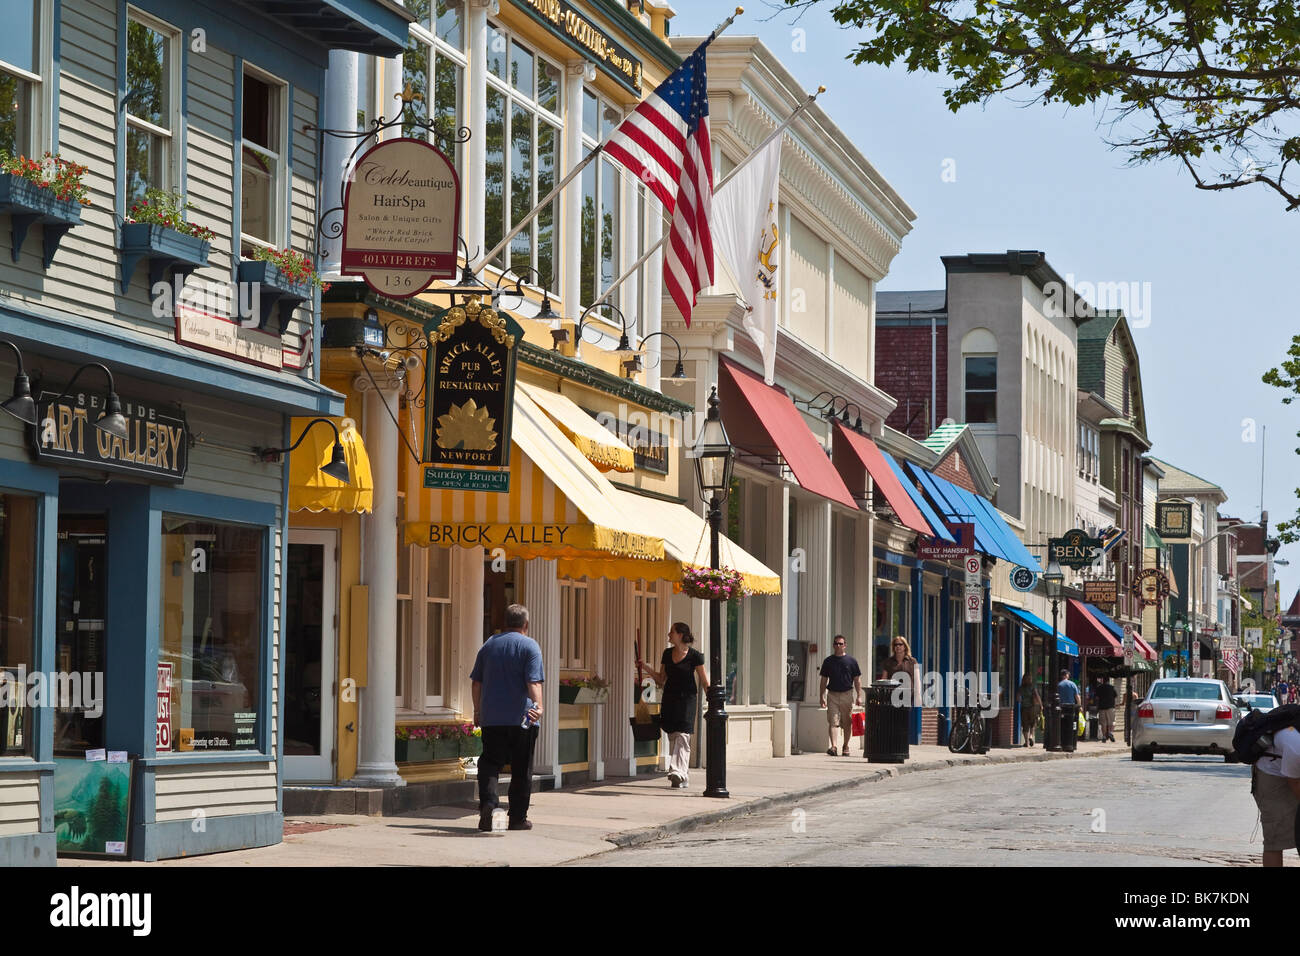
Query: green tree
x=1287, y=376
x=1210, y=84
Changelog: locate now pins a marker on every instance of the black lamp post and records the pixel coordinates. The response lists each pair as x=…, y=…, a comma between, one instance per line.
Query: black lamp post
x=713, y=462
x=1053, y=579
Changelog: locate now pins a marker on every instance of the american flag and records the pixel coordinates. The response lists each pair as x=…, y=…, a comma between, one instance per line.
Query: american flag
x=665, y=142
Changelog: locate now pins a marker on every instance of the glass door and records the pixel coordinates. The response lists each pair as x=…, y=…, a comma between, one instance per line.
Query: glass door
x=80, y=632
x=310, y=651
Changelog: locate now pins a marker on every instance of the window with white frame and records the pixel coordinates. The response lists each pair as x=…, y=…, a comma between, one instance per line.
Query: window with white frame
x=21, y=70
x=423, y=625
x=981, y=383
x=651, y=629
x=1089, y=452
x=152, y=67
x=575, y=624
x=262, y=172
x=433, y=66
x=601, y=219
x=524, y=119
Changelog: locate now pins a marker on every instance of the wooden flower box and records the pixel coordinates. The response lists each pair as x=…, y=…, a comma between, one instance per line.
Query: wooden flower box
x=163, y=249
x=275, y=293
x=27, y=204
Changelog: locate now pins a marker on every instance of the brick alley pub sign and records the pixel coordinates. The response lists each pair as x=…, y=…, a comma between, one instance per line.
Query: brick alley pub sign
x=469, y=389
x=587, y=38
x=401, y=218
x=157, y=439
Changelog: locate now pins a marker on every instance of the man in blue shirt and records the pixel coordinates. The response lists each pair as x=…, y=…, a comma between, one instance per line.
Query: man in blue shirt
x=507, y=687
x=1067, y=693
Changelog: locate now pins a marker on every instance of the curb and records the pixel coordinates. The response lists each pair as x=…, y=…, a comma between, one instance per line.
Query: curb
x=630, y=838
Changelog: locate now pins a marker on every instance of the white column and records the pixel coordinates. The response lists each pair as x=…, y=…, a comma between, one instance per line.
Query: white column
x=340, y=114
x=542, y=598
x=620, y=666
x=653, y=271
x=466, y=635
x=777, y=551
x=475, y=185
x=814, y=531
x=862, y=640
x=390, y=90
x=375, y=757
x=571, y=198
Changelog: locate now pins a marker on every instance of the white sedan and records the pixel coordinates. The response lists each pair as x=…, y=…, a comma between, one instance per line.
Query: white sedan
x=1186, y=715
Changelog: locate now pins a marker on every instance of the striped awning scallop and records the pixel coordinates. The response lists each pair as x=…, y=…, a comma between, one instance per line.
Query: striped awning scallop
x=598, y=444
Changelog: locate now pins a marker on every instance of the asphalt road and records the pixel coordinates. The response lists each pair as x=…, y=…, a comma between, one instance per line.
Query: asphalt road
x=1106, y=811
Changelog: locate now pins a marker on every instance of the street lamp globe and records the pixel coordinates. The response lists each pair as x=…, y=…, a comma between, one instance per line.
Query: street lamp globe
x=713, y=454
x=1054, y=579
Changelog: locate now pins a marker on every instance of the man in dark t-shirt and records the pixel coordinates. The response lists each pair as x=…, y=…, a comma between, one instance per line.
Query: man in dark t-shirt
x=841, y=690
x=1105, y=695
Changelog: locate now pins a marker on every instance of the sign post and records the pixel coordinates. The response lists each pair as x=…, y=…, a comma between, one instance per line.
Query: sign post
x=974, y=590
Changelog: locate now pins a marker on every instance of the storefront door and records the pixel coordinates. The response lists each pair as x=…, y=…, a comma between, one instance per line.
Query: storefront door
x=81, y=633
x=310, y=652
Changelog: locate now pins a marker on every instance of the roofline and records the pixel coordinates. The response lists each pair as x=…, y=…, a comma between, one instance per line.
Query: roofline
x=1029, y=263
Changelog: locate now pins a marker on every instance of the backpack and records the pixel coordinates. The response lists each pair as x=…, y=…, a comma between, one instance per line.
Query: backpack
x=1253, y=737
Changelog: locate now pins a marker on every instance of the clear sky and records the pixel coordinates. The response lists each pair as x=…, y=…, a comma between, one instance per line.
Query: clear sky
x=1218, y=264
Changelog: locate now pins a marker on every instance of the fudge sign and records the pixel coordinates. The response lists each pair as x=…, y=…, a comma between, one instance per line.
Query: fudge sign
x=401, y=218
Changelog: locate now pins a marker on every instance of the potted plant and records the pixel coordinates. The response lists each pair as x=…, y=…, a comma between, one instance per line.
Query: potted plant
x=283, y=279
x=707, y=584
x=413, y=744
x=156, y=229
x=51, y=190
x=584, y=690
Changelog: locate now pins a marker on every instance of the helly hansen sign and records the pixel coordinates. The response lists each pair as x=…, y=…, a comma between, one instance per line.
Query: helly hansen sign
x=156, y=446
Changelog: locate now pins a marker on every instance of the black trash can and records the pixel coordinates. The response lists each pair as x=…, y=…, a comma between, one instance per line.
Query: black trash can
x=1093, y=721
x=888, y=726
x=1069, y=727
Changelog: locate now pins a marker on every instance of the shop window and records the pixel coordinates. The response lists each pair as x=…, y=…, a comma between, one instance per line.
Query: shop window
x=212, y=609
x=20, y=76
x=601, y=220
x=981, y=388
x=575, y=624
x=150, y=98
x=523, y=155
x=17, y=620
x=406, y=554
x=423, y=624
x=261, y=165
x=437, y=621
x=80, y=632
x=433, y=66
x=652, y=631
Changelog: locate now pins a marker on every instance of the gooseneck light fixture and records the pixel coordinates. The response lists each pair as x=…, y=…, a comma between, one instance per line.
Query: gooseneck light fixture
x=112, y=421
x=624, y=343
x=20, y=405
x=679, y=370
x=338, y=465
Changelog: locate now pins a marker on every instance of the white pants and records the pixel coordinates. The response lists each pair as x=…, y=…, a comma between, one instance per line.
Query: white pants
x=679, y=756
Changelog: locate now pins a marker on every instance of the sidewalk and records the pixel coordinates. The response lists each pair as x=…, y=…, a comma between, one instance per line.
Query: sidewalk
x=590, y=818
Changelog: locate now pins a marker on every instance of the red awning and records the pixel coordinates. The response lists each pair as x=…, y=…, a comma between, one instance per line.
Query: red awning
x=760, y=418
x=887, y=482
x=1093, y=637
x=1147, y=650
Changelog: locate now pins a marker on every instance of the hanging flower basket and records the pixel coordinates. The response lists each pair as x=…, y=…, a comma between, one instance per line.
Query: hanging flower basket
x=724, y=584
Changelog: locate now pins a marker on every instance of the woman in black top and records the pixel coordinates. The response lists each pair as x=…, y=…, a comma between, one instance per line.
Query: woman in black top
x=682, y=665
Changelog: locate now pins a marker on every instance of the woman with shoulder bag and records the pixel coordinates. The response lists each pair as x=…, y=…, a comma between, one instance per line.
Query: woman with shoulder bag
x=682, y=665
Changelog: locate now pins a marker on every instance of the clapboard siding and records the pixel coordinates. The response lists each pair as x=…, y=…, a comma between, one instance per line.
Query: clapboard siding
x=217, y=791
x=20, y=803
x=222, y=462
x=210, y=151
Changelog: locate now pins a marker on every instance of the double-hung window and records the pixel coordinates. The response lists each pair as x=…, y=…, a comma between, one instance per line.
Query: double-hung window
x=262, y=172
x=21, y=80
x=524, y=103
x=433, y=66
x=151, y=85
x=601, y=221
x=981, y=388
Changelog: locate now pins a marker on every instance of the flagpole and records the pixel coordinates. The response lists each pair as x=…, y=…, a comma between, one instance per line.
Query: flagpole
x=812, y=97
x=573, y=173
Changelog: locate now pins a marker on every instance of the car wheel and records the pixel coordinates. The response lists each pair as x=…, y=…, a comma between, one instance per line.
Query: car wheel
x=1142, y=755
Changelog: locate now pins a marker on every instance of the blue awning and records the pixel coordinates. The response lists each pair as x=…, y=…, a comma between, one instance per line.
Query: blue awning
x=952, y=507
x=993, y=536
x=1015, y=548
x=1105, y=619
x=937, y=523
x=1063, y=644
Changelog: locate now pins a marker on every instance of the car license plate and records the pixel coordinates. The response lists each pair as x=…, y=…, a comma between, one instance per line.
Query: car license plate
x=1184, y=715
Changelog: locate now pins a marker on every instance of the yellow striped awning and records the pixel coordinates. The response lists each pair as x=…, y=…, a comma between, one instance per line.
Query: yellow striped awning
x=310, y=489
x=686, y=544
x=597, y=443
x=557, y=506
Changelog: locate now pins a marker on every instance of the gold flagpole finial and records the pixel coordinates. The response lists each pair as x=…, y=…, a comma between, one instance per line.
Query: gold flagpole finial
x=739, y=10
x=821, y=90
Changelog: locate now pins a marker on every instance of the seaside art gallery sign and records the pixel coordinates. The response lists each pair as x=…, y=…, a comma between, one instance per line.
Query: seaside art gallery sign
x=469, y=397
x=156, y=445
x=401, y=218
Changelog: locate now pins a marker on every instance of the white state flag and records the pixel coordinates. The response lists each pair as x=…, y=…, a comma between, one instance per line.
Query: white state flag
x=746, y=234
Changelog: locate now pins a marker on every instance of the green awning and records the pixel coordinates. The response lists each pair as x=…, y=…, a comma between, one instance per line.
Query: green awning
x=1151, y=539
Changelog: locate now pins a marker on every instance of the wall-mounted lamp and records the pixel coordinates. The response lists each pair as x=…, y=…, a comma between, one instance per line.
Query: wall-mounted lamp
x=679, y=371
x=624, y=344
x=338, y=465
x=20, y=405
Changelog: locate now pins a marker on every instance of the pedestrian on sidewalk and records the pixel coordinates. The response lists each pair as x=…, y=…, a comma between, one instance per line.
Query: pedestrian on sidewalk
x=841, y=691
x=1275, y=785
x=1105, y=697
x=507, y=689
x=1067, y=693
x=1031, y=707
x=901, y=666
x=681, y=664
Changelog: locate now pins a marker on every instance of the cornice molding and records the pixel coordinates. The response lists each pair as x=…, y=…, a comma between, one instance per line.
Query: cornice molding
x=548, y=360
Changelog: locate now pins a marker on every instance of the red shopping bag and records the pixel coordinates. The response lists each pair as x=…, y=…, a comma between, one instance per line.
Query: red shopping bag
x=859, y=723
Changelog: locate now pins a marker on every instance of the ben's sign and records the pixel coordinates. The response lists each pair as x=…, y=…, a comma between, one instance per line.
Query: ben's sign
x=1075, y=549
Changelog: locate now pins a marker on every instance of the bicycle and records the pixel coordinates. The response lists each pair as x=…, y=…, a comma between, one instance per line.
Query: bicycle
x=967, y=731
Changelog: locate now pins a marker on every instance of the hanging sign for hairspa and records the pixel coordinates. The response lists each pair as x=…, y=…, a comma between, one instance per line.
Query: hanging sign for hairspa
x=156, y=445
x=401, y=218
